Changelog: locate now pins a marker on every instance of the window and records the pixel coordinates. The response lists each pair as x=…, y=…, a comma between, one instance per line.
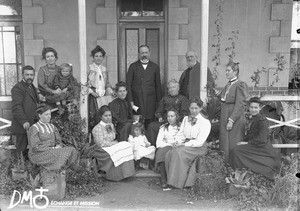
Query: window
x=10, y=45
x=142, y=8
x=295, y=48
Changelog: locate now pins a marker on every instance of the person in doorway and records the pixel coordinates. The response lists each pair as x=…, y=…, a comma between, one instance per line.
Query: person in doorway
x=190, y=79
x=25, y=100
x=144, y=86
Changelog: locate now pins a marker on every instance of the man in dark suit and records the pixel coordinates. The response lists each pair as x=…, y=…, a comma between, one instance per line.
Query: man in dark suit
x=144, y=86
x=190, y=79
x=24, y=103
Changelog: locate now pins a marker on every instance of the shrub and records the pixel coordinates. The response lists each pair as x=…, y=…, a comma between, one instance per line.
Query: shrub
x=286, y=190
x=72, y=127
x=210, y=178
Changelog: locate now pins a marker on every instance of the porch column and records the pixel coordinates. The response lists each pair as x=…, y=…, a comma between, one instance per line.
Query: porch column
x=204, y=48
x=82, y=58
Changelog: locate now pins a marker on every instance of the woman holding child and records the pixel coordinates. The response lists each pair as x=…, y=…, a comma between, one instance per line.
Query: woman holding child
x=113, y=159
x=186, y=145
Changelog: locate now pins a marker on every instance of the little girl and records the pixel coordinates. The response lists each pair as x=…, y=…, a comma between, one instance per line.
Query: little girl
x=65, y=81
x=142, y=149
x=166, y=141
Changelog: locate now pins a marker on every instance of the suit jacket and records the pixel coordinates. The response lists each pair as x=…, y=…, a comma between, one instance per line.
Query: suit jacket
x=194, y=81
x=24, y=105
x=237, y=94
x=144, y=87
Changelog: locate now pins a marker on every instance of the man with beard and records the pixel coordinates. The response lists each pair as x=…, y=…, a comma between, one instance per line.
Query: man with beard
x=144, y=87
x=190, y=78
x=24, y=103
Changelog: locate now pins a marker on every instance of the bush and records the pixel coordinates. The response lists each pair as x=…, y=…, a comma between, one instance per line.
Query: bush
x=286, y=190
x=211, y=174
x=72, y=127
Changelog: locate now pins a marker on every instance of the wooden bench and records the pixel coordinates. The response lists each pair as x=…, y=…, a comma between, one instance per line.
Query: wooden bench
x=289, y=123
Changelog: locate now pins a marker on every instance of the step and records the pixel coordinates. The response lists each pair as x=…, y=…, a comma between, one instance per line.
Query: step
x=146, y=173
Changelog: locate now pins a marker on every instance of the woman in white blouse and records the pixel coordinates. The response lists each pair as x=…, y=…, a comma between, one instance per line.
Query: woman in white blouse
x=100, y=91
x=188, y=144
x=164, y=142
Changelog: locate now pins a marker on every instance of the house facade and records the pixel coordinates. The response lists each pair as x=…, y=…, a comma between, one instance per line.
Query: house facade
x=254, y=32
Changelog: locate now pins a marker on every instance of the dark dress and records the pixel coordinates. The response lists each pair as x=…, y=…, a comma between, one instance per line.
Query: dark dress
x=258, y=155
x=122, y=118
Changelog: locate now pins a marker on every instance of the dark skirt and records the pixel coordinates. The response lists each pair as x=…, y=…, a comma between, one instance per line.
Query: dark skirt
x=161, y=154
x=152, y=132
x=259, y=159
x=105, y=164
x=123, y=130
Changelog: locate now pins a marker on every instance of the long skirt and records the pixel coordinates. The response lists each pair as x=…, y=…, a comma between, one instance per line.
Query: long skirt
x=229, y=138
x=105, y=163
x=161, y=154
x=152, y=132
x=178, y=162
x=259, y=159
x=123, y=130
x=55, y=159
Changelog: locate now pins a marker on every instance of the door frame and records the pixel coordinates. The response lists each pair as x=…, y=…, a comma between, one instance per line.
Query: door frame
x=143, y=27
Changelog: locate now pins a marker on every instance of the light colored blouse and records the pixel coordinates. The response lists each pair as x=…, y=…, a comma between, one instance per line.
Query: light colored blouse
x=98, y=78
x=166, y=136
x=103, y=135
x=193, y=135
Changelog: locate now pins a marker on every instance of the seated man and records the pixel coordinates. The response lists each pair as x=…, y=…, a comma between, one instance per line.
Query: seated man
x=172, y=100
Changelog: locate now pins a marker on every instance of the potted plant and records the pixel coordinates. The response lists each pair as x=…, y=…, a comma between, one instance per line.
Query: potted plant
x=237, y=181
x=19, y=170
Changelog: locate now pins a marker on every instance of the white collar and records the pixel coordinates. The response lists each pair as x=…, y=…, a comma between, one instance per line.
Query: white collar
x=233, y=79
x=103, y=123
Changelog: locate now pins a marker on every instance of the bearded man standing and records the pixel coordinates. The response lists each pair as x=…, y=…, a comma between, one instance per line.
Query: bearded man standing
x=24, y=103
x=144, y=86
x=190, y=78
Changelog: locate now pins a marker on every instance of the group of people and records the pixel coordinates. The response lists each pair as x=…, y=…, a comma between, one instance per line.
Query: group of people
x=168, y=135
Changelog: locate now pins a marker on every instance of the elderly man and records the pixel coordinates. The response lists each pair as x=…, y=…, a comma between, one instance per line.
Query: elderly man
x=144, y=86
x=190, y=78
x=24, y=103
x=172, y=100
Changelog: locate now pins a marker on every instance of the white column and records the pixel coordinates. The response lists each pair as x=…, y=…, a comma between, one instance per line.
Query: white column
x=82, y=53
x=204, y=48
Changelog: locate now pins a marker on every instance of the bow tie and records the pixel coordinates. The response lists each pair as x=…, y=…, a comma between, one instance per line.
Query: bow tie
x=108, y=128
x=192, y=120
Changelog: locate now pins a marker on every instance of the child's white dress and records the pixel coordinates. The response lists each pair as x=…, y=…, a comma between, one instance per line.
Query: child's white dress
x=139, y=147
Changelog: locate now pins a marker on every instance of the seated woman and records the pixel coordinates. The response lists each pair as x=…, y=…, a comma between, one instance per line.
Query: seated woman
x=165, y=141
x=45, y=146
x=113, y=158
x=256, y=152
x=189, y=143
x=172, y=100
x=121, y=112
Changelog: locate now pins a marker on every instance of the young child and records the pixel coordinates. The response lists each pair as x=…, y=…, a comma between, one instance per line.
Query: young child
x=142, y=149
x=65, y=81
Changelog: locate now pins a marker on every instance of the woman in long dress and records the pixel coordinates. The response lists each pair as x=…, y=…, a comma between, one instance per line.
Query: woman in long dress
x=121, y=112
x=164, y=142
x=232, y=121
x=256, y=151
x=190, y=142
x=45, y=146
x=113, y=159
x=100, y=91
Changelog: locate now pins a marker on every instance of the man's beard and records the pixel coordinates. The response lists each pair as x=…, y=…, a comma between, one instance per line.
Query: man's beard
x=29, y=81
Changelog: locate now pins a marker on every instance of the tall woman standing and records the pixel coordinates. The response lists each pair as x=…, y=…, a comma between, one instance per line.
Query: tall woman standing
x=100, y=92
x=232, y=121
